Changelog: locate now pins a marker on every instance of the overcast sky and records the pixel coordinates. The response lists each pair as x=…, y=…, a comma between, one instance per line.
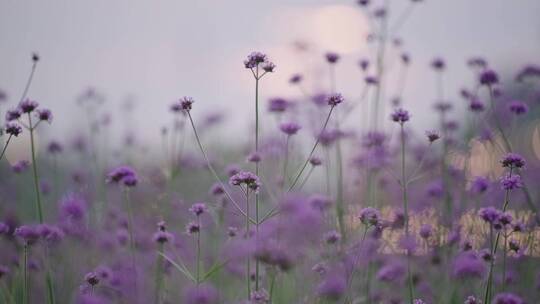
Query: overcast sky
x=156, y=51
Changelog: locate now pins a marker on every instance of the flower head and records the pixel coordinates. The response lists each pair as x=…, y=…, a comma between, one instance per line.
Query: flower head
x=507, y=298
x=488, y=77
x=289, y=128
x=28, y=106
x=44, y=115
x=315, y=161
x=248, y=179
x=476, y=105
x=511, y=182
x=432, y=135
x=13, y=114
x=254, y=59
x=277, y=105
x=369, y=216
x=331, y=57
x=193, y=228
x=198, y=209
x=123, y=175
x=268, y=66
x=296, y=78
x=13, y=129
x=518, y=107
x=91, y=278
x=438, y=64
x=513, y=160
x=489, y=214
x=334, y=99
x=29, y=234
x=400, y=115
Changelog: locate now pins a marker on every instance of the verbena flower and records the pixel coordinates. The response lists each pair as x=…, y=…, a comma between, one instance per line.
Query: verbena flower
x=254, y=59
x=432, y=135
x=511, y=182
x=91, y=278
x=332, y=237
x=333, y=287
x=315, y=161
x=289, y=128
x=425, y=231
x=193, y=228
x=29, y=234
x=44, y=115
x=123, y=175
x=400, y=116
x=480, y=185
x=518, y=107
x=472, y=300
x=295, y=79
x=198, y=209
x=28, y=106
x=13, y=129
x=438, y=64
x=369, y=216
x=331, y=57
x=54, y=147
x=488, y=77
x=507, y=298
x=489, y=214
x=277, y=105
x=476, y=105
x=14, y=114
x=334, y=99
x=250, y=180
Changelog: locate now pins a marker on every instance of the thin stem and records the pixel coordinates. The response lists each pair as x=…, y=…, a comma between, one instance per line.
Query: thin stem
x=159, y=274
x=307, y=177
x=26, y=287
x=380, y=69
x=285, y=162
x=257, y=172
x=248, y=262
x=211, y=168
x=199, y=252
x=406, y=212
x=29, y=81
x=35, y=172
x=5, y=146
x=131, y=236
x=504, y=262
x=351, y=277
x=312, y=150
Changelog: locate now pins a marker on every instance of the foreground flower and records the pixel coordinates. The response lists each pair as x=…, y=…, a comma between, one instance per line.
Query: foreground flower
x=400, y=116
x=250, y=180
x=123, y=175
x=511, y=182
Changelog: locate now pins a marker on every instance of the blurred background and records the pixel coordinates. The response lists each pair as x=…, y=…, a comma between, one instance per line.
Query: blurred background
x=143, y=55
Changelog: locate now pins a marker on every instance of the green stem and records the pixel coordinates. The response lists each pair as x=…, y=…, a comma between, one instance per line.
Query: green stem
x=34, y=170
x=285, y=162
x=257, y=173
x=312, y=150
x=406, y=212
x=248, y=262
x=26, y=287
x=159, y=274
x=198, y=252
x=5, y=146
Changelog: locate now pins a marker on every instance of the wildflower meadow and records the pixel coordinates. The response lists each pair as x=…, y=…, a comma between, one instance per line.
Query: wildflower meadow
x=326, y=197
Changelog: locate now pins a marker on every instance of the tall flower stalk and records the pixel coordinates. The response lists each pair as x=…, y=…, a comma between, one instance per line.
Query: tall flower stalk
x=259, y=65
x=401, y=116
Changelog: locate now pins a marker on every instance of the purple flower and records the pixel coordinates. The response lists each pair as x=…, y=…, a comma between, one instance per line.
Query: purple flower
x=472, y=300
x=489, y=214
x=202, y=294
x=296, y=78
x=363, y=64
x=518, y=107
x=529, y=71
x=3, y=271
x=13, y=114
x=511, y=182
x=193, y=228
x=425, y=231
x=54, y=147
x=332, y=237
x=371, y=80
x=331, y=57
x=334, y=99
x=186, y=102
x=277, y=105
x=259, y=297
x=198, y=209
x=369, y=216
x=248, y=179
x=268, y=66
x=51, y=234
x=333, y=287
x=13, y=129
x=27, y=233
x=468, y=265
x=44, y=115
x=217, y=189
x=28, y=106
x=443, y=106
x=162, y=237
x=477, y=62
x=476, y=105
x=480, y=185
x=124, y=175
x=418, y=301
x=254, y=59
x=400, y=115
x=91, y=278
x=289, y=128
x=432, y=135
x=363, y=2
x=507, y=298
x=73, y=207
x=438, y=64
x=488, y=77
x=315, y=161
x=20, y=166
